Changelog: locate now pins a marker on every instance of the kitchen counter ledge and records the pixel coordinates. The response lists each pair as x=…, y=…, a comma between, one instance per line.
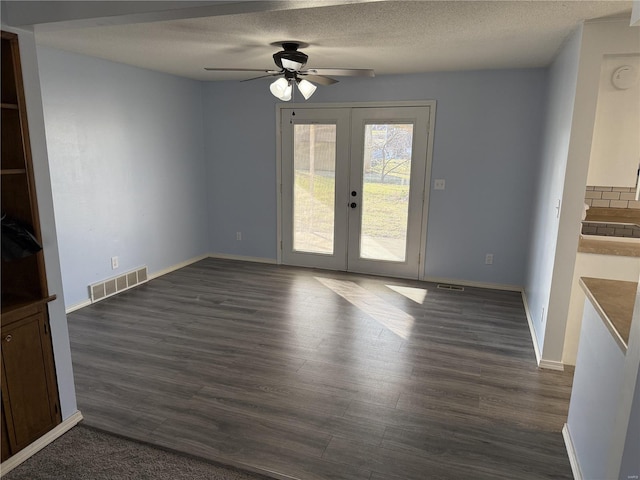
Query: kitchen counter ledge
x=614, y=301
x=609, y=247
x=613, y=215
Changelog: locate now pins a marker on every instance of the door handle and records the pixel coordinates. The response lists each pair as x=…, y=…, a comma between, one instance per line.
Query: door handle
x=354, y=193
x=353, y=205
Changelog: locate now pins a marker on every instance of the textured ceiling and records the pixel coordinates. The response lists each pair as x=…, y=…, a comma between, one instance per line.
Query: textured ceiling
x=391, y=37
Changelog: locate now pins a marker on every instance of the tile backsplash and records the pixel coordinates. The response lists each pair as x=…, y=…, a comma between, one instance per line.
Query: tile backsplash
x=610, y=229
x=611, y=197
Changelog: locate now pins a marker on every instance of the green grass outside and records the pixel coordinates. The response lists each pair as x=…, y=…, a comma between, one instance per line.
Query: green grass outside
x=385, y=205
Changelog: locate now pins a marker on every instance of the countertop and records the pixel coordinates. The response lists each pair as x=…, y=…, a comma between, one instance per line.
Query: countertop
x=614, y=301
x=609, y=247
x=613, y=215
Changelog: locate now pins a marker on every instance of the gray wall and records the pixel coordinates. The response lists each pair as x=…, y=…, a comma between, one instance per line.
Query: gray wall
x=595, y=395
x=563, y=77
x=240, y=145
x=128, y=171
x=630, y=459
x=137, y=173
x=487, y=146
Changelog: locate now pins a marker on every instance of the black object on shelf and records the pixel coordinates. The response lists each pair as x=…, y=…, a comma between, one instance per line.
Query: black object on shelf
x=17, y=240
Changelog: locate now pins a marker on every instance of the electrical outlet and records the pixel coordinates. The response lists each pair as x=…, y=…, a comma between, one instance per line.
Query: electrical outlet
x=488, y=259
x=542, y=317
x=114, y=263
x=238, y=235
x=439, y=184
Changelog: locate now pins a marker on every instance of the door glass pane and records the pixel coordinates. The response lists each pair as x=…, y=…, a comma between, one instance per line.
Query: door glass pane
x=314, y=165
x=385, y=191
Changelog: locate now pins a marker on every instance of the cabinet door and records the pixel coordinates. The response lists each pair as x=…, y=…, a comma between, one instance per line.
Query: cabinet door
x=29, y=390
x=6, y=452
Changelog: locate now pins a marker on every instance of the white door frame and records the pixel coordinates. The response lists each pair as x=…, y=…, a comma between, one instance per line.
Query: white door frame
x=427, y=180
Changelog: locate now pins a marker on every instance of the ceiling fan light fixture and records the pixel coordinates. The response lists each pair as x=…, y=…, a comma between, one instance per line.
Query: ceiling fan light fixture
x=306, y=88
x=291, y=65
x=281, y=89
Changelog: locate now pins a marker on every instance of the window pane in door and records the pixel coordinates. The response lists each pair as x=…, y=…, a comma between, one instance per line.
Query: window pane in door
x=314, y=164
x=385, y=191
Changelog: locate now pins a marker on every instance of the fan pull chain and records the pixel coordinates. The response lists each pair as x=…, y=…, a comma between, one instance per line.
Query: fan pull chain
x=293, y=100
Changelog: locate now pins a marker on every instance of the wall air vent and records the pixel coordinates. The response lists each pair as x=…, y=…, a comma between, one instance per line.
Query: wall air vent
x=111, y=286
x=444, y=286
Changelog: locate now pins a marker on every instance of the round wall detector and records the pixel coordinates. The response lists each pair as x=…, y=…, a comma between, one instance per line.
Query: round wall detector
x=625, y=77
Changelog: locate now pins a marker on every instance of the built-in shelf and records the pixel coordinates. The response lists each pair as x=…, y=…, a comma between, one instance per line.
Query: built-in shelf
x=13, y=304
x=29, y=402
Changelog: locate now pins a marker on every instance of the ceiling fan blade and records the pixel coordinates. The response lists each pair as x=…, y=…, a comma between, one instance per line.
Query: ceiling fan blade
x=345, y=72
x=319, y=79
x=212, y=69
x=261, y=76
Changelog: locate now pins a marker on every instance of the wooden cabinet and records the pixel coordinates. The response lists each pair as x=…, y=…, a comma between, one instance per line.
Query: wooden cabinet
x=30, y=405
x=29, y=389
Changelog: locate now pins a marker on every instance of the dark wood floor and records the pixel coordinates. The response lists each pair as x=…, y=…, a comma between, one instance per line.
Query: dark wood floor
x=323, y=375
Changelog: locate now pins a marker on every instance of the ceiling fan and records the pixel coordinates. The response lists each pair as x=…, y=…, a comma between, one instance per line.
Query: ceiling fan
x=290, y=62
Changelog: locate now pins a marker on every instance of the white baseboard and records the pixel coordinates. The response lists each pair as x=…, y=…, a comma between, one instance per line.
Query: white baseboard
x=228, y=256
x=177, y=266
x=532, y=331
x=470, y=283
x=39, y=444
x=151, y=276
x=571, y=453
x=542, y=363
x=78, y=306
x=551, y=365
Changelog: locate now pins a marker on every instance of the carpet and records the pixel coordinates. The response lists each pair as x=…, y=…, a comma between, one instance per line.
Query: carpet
x=87, y=453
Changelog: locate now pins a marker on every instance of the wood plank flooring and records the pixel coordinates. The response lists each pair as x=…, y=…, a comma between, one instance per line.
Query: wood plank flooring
x=310, y=374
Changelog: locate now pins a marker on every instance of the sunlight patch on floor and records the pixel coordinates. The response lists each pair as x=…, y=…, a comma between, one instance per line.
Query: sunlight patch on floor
x=416, y=294
x=384, y=313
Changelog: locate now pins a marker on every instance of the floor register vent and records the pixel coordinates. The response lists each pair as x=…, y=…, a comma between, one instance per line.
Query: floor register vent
x=111, y=286
x=444, y=286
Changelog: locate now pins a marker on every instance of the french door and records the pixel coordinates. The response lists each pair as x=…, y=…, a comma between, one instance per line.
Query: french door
x=353, y=188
